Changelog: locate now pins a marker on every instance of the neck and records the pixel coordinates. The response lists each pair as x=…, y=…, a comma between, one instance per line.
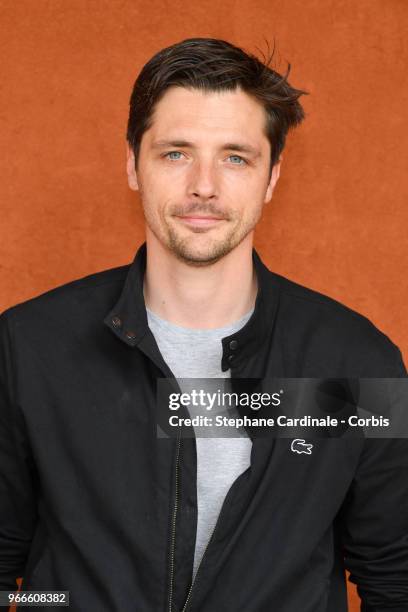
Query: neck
x=203, y=297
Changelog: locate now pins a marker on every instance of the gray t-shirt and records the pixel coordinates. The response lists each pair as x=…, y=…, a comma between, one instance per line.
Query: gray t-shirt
x=197, y=353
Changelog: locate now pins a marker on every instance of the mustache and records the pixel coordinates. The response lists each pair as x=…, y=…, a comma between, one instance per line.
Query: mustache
x=202, y=209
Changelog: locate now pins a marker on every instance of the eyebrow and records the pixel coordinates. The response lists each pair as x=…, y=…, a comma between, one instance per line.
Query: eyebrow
x=234, y=146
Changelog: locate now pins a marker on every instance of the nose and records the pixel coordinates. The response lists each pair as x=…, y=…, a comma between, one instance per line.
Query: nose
x=203, y=180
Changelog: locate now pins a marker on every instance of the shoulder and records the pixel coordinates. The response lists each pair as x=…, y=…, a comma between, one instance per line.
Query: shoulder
x=75, y=300
x=298, y=298
x=322, y=329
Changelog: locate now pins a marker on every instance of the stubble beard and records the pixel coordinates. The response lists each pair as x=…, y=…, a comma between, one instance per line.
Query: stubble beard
x=209, y=253
x=194, y=251
x=190, y=248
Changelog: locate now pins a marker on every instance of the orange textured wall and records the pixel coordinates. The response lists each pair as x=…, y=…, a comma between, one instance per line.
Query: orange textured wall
x=338, y=220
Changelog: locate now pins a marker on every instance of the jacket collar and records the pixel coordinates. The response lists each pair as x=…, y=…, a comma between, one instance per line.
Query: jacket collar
x=128, y=318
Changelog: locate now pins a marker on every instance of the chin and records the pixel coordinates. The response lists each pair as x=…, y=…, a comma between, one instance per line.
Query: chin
x=200, y=256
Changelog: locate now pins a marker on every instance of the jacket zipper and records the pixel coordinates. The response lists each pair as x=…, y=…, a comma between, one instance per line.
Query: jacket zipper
x=173, y=536
x=205, y=549
x=173, y=539
x=198, y=569
x=173, y=531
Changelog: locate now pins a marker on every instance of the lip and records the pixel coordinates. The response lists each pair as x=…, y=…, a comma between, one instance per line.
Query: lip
x=201, y=221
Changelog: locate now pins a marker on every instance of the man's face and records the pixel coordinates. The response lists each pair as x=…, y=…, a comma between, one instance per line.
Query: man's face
x=203, y=172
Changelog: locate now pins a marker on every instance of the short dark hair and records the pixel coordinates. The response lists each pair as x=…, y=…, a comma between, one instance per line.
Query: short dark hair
x=211, y=64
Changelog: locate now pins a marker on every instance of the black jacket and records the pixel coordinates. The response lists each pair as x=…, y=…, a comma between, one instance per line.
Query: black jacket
x=94, y=503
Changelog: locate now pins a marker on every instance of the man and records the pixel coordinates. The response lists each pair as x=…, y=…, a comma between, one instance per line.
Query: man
x=92, y=500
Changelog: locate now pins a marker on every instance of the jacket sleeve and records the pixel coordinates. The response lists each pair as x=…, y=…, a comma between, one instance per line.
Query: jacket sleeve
x=18, y=513
x=375, y=521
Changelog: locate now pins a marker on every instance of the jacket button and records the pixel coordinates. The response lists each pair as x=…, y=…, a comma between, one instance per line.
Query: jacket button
x=233, y=344
x=230, y=357
x=116, y=321
x=131, y=335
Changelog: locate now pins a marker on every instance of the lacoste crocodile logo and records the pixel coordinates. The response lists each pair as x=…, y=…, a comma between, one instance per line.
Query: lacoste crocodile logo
x=300, y=446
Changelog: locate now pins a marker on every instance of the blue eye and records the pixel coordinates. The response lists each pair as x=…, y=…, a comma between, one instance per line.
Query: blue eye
x=173, y=153
x=241, y=159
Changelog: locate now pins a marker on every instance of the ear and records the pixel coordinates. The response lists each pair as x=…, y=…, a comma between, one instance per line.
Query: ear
x=130, y=168
x=273, y=180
